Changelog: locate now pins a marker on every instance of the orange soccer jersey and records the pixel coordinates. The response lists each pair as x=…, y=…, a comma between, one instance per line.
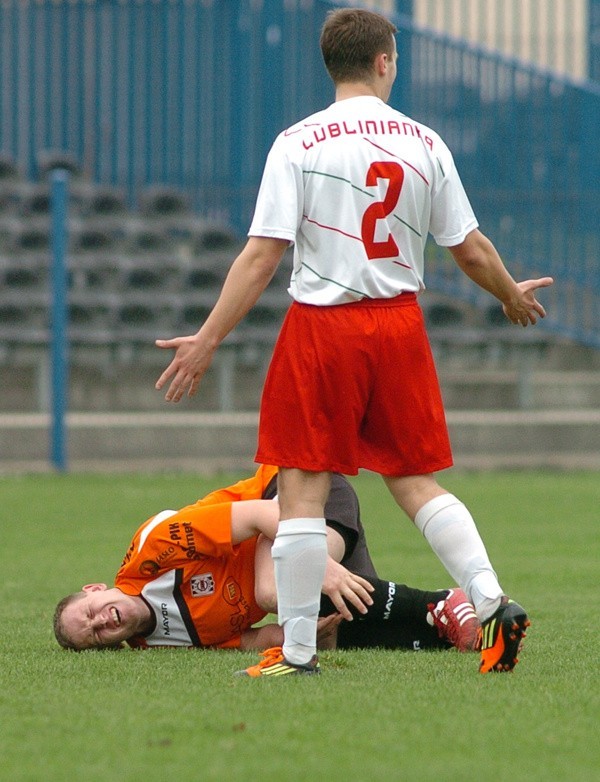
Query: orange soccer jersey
x=199, y=586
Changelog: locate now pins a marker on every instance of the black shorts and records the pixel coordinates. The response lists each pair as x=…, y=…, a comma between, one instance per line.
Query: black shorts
x=342, y=513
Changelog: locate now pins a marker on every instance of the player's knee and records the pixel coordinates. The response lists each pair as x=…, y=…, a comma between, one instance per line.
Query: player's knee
x=266, y=597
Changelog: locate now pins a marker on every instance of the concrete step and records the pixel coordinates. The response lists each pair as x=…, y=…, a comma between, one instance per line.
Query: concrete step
x=224, y=387
x=520, y=389
x=209, y=442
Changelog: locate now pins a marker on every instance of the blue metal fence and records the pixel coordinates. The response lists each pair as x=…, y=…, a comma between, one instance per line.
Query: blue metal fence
x=594, y=39
x=192, y=92
x=525, y=144
x=186, y=92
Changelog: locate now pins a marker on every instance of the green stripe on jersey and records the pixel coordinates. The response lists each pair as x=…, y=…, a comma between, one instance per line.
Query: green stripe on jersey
x=340, y=179
x=360, y=190
x=414, y=230
x=335, y=282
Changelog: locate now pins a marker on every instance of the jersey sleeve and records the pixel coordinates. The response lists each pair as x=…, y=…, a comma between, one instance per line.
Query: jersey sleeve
x=247, y=489
x=452, y=216
x=278, y=210
x=172, y=539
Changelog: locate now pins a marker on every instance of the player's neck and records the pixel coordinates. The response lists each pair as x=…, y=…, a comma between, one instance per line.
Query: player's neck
x=347, y=90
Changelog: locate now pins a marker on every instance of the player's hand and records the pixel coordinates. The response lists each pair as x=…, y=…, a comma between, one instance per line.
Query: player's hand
x=191, y=360
x=344, y=588
x=525, y=308
x=327, y=627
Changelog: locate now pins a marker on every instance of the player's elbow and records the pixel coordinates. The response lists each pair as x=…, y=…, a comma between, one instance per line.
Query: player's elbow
x=474, y=253
x=263, y=255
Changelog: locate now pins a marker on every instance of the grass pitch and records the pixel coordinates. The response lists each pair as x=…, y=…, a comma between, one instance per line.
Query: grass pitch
x=372, y=715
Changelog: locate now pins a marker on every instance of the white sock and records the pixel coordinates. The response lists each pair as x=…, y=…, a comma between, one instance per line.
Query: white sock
x=451, y=532
x=299, y=555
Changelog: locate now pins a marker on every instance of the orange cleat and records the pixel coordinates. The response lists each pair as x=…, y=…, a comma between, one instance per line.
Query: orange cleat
x=501, y=637
x=275, y=664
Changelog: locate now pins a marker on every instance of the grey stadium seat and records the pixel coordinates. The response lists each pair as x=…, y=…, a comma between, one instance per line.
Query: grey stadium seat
x=164, y=201
x=92, y=311
x=95, y=272
x=30, y=236
x=193, y=315
x=87, y=236
x=34, y=200
x=25, y=274
x=201, y=278
x=9, y=170
x=101, y=200
x=160, y=273
x=207, y=236
x=145, y=315
x=440, y=314
x=10, y=179
x=145, y=236
x=27, y=311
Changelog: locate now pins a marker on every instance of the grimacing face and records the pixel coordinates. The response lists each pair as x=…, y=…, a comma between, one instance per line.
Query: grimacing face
x=103, y=617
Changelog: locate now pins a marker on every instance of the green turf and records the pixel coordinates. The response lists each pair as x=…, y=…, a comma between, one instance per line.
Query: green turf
x=372, y=715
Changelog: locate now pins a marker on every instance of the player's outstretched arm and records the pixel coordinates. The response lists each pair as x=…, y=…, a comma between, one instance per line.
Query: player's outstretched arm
x=248, y=276
x=479, y=260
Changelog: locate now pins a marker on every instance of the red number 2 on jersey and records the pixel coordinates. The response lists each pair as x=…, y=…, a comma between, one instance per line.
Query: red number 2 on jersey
x=394, y=173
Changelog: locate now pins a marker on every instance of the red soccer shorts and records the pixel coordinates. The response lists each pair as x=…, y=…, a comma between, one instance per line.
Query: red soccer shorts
x=354, y=386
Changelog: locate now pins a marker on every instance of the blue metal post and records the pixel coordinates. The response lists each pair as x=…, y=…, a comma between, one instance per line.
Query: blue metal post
x=59, y=338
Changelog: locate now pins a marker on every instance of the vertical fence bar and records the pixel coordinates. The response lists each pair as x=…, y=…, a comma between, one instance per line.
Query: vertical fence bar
x=59, y=340
x=594, y=39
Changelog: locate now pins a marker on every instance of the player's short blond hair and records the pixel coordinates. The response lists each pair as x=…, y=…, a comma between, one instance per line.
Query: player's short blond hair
x=351, y=38
x=63, y=639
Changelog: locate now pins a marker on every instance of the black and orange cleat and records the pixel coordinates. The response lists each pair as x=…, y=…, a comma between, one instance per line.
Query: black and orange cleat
x=501, y=637
x=275, y=664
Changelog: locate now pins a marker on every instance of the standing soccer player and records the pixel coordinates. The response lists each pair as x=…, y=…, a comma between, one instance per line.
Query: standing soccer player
x=357, y=187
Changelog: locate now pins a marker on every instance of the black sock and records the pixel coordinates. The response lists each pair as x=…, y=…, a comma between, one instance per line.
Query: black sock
x=396, y=620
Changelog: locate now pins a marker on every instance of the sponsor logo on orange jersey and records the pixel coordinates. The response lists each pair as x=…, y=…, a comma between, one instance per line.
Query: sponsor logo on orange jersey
x=202, y=585
x=232, y=592
x=149, y=567
x=166, y=554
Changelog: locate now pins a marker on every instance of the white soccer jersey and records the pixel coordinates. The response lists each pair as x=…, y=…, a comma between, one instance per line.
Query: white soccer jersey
x=357, y=187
